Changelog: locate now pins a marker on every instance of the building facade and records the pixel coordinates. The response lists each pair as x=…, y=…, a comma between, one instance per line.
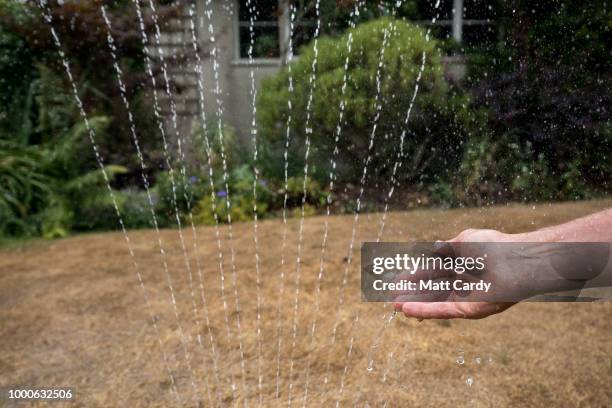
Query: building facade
x=222, y=35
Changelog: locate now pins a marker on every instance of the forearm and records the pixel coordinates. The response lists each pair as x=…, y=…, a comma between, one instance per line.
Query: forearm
x=592, y=228
x=578, y=270
x=528, y=270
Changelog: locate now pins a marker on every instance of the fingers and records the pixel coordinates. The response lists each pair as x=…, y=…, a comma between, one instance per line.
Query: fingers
x=433, y=310
x=450, y=310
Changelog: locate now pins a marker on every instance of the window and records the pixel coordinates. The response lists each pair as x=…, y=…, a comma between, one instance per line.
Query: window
x=271, y=26
x=478, y=23
x=265, y=28
x=468, y=22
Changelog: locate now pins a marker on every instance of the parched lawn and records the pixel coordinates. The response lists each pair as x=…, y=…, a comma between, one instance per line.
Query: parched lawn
x=72, y=314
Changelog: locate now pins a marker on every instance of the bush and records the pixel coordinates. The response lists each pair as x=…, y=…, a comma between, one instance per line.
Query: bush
x=315, y=196
x=50, y=183
x=23, y=188
x=134, y=205
x=546, y=94
x=241, y=196
x=549, y=135
x=235, y=152
x=439, y=125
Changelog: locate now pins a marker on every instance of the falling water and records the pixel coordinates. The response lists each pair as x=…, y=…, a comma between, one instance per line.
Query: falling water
x=378, y=107
x=308, y=132
x=279, y=327
x=199, y=72
x=145, y=180
x=100, y=162
x=387, y=320
x=383, y=377
x=377, y=341
x=174, y=115
x=374, y=346
x=332, y=177
x=346, y=364
x=220, y=133
x=397, y=164
x=251, y=8
x=385, y=373
x=387, y=369
x=400, y=153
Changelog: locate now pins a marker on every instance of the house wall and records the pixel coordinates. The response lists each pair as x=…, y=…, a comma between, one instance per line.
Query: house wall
x=233, y=72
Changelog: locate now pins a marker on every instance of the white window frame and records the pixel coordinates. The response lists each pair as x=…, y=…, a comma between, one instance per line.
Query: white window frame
x=281, y=23
x=457, y=21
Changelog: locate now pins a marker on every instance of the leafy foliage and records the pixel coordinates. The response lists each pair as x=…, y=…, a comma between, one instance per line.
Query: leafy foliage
x=439, y=125
x=26, y=43
x=22, y=187
x=240, y=196
x=548, y=106
x=49, y=182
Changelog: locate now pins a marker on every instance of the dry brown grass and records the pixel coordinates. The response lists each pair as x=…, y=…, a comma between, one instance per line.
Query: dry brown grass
x=72, y=314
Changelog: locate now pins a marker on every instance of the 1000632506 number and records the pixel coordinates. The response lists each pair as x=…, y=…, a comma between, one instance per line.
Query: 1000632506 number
x=48, y=394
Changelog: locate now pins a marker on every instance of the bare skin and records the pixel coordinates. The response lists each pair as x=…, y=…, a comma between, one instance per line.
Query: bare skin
x=593, y=228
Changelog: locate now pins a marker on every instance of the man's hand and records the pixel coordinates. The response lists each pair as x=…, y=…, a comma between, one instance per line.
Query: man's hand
x=457, y=309
x=509, y=270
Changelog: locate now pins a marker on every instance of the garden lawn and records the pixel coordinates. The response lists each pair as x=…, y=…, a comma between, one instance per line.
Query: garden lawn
x=72, y=314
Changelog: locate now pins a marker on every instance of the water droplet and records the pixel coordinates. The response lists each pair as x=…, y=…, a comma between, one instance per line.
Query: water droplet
x=469, y=381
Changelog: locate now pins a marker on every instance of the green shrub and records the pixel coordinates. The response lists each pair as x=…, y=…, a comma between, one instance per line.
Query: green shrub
x=496, y=169
x=442, y=193
x=50, y=183
x=438, y=126
x=235, y=152
x=187, y=191
x=89, y=201
x=135, y=209
x=295, y=192
x=23, y=188
x=241, y=196
x=545, y=87
x=241, y=210
x=49, y=180
x=17, y=71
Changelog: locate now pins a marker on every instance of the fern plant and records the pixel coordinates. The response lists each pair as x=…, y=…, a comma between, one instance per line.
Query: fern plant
x=49, y=182
x=23, y=188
